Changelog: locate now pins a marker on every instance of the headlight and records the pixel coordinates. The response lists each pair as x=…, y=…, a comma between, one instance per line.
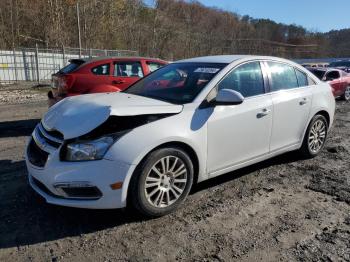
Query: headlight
x=89, y=150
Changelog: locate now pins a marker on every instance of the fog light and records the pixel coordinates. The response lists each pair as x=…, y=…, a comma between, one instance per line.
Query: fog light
x=78, y=190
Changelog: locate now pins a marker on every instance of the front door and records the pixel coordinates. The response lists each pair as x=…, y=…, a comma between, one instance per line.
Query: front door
x=239, y=133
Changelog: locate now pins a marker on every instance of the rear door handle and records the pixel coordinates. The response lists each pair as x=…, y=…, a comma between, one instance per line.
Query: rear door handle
x=303, y=102
x=118, y=82
x=263, y=113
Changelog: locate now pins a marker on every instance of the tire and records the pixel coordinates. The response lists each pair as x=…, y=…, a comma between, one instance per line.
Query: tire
x=346, y=95
x=168, y=174
x=315, y=137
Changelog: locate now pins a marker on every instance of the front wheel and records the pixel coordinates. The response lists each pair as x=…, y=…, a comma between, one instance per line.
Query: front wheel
x=161, y=182
x=346, y=95
x=315, y=137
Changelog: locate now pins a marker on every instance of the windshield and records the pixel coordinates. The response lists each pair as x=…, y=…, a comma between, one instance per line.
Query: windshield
x=339, y=64
x=177, y=83
x=319, y=73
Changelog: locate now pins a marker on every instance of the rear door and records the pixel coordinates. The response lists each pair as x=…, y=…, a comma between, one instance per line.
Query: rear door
x=125, y=73
x=291, y=97
x=93, y=79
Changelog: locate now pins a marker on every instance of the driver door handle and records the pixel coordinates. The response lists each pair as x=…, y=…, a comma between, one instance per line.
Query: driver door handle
x=263, y=113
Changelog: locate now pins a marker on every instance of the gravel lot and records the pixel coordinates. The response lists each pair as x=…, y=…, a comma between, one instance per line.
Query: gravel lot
x=282, y=209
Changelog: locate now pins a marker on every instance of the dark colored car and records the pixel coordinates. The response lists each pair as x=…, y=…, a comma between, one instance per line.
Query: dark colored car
x=99, y=75
x=338, y=79
x=343, y=65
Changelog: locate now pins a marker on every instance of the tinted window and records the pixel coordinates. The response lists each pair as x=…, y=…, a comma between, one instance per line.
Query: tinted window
x=153, y=66
x=71, y=67
x=282, y=76
x=340, y=64
x=101, y=70
x=246, y=79
x=319, y=73
x=302, y=78
x=177, y=83
x=332, y=75
x=128, y=69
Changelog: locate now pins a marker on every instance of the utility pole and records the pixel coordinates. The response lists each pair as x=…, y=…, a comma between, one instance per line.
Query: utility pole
x=12, y=26
x=78, y=22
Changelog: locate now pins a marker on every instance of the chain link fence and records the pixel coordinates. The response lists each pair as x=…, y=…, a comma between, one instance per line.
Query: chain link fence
x=38, y=64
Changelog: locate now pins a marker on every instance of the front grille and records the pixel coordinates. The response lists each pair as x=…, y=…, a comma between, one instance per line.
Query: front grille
x=43, y=143
x=53, y=138
x=36, y=155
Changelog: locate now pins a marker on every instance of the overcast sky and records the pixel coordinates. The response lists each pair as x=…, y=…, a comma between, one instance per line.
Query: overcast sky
x=316, y=15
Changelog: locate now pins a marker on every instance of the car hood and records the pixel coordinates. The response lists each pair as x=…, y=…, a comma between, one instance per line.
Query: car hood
x=79, y=115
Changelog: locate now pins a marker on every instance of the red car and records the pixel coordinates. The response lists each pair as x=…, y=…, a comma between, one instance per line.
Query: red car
x=338, y=79
x=85, y=76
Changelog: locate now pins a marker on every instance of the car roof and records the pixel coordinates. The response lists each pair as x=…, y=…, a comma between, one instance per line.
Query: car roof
x=227, y=59
x=101, y=58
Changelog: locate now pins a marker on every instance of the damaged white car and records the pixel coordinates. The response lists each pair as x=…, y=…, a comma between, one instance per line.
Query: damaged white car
x=187, y=122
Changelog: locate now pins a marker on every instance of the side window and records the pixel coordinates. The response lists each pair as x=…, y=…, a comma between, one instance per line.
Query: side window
x=101, y=70
x=302, y=78
x=332, y=75
x=282, y=76
x=153, y=66
x=246, y=79
x=128, y=69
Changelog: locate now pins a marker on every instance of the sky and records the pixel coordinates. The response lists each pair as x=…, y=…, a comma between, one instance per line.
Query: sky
x=315, y=15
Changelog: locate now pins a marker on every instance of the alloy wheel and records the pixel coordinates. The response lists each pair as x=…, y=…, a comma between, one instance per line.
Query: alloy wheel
x=347, y=93
x=166, y=181
x=317, y=136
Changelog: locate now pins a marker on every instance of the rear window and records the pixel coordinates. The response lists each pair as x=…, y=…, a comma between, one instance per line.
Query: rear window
x=101, y=70
x=71, y=66
x=319, y=73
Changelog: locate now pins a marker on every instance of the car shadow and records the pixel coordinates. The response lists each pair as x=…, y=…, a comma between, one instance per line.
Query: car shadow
x=26, y=219
x=281, y=159
x=17, y=128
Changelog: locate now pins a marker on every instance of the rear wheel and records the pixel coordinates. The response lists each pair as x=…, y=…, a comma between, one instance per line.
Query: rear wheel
x=162, y=182
x=346, y=95
x=315, y=137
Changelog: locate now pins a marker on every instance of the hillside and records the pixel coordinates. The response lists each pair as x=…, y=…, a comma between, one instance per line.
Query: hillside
x=172, y=29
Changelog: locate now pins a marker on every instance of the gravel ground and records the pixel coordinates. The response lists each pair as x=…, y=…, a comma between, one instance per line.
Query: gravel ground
x=284, y=209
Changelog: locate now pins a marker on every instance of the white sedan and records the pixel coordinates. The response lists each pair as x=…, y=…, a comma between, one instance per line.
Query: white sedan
x=185, y=123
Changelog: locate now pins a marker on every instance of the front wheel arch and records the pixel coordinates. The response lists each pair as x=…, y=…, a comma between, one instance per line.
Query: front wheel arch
x=175, y=144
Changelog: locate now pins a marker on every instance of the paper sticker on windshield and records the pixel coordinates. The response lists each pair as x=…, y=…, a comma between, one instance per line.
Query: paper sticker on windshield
x=206, y=70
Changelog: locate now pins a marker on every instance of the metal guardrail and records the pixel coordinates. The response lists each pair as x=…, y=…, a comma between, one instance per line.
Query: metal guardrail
x=38, y=64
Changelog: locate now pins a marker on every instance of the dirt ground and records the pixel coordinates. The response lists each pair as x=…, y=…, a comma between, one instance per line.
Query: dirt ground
x=284, y=209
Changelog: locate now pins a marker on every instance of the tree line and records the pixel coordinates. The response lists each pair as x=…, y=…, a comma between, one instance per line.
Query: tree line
x=169, y=29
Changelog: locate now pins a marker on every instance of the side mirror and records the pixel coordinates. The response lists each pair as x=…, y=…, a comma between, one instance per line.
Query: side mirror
x=228, y=97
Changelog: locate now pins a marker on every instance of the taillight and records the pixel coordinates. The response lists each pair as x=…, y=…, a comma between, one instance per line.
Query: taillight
x=63, y=83
x=67, y=82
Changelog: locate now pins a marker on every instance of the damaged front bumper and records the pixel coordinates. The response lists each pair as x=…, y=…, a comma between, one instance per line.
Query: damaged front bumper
x=81, y=184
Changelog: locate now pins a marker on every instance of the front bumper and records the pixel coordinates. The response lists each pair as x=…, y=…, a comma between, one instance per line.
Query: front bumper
x=100, y=174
